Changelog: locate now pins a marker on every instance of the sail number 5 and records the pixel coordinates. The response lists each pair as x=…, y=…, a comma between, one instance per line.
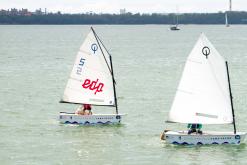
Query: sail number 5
x=80, y=65
x=93, y=85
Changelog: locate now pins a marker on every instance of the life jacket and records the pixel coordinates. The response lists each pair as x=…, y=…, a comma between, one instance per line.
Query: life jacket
x=87, y=107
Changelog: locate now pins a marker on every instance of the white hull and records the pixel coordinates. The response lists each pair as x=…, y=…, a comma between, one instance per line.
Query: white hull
x=72, y=118
x=183, y=138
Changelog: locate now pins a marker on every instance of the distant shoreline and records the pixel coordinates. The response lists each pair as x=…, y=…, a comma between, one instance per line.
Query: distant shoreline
x=125, y=19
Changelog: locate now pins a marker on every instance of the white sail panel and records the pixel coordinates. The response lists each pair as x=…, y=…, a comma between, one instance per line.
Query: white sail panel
x=90, y=81
x=203, y=93
x=226, y=19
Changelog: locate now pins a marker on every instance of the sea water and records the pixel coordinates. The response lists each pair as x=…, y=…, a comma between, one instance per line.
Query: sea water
x=148, y=62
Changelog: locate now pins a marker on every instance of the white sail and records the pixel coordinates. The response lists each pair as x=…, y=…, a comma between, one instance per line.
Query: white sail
x=91, y=80
x=203, y=94
x=226, y=20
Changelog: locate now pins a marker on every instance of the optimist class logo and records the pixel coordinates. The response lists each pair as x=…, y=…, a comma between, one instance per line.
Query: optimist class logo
x=206, y=51
x=93, y=85
x=94, y=48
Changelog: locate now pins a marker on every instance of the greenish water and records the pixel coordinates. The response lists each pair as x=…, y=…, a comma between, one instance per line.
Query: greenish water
x=148, y=61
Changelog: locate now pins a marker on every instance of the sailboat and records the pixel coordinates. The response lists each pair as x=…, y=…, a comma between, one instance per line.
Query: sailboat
x=175, y=26
x=91, y=82
x=203, y=97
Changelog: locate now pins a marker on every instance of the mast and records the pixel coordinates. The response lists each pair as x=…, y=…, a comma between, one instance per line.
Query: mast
x=114, y=88
x=233, y=115
x=230, y=5
x=227, y=12
x=177, y=16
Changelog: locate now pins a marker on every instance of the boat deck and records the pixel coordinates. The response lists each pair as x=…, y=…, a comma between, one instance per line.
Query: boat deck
x=74, y=114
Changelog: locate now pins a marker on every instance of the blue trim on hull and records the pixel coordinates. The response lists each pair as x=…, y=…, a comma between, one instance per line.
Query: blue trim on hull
x=88, y=123
x=200, y=143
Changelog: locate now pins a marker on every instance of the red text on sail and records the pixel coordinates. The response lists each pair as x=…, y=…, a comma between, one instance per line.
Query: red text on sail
x=93, y=85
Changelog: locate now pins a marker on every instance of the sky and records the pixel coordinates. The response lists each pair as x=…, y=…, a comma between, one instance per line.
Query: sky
x=134, y=6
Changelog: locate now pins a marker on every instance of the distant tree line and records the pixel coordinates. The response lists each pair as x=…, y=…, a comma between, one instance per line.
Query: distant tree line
x=128, y=18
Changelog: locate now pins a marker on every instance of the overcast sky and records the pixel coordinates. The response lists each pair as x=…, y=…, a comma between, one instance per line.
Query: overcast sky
x=134, y=6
